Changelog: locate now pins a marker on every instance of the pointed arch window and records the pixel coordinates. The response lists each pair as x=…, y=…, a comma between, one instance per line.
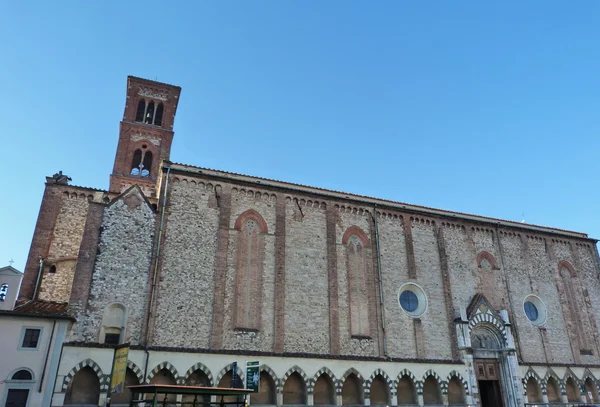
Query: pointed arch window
x=141, y=108
x=358, y=269
x=250, y=255
x=149, y=113
x=3, y=292
x=141, y=163
x=158, y=115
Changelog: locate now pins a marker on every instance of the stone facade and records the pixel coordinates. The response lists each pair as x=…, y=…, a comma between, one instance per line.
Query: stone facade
x=380, y=297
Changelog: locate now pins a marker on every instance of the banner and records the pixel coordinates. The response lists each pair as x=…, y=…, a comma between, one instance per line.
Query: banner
x=253, y=376
x=117, y=381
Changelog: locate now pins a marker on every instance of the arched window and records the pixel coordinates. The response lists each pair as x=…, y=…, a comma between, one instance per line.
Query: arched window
x=358, y=271
x=250, y=255
x=149, y=113
x=139, y=115
x=3, y=291
x=572, y=389
x=164, y=376
x=147, y=164
x=113, y=324
x=159, y=114
x=141, y=163
x=22, y=375
x=136, y=162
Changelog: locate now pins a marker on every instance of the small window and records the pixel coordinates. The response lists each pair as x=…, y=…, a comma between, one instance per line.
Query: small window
x=531, y=311
x=159, y=114
x=136, y=162
x=52, y=269
x=139, y=115
x=147, y=164
x=22, y=375
x=535, y=309
x=409, y=301
x=112, y=339
x=149, y=113
x=31, y=338
x=3, y=292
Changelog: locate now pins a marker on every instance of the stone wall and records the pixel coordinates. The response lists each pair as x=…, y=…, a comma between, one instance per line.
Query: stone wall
x=122, y=265
x=63, y=247
x=449, y=261
x=186, y=282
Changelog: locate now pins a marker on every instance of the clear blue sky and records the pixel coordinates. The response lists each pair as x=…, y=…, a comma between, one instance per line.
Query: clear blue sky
x=490, y=108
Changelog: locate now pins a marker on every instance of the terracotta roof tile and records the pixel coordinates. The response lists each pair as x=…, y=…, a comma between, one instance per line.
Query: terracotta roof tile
x=42, y=309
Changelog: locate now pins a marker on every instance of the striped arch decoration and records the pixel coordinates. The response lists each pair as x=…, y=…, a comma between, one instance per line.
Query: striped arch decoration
x=81, y=365
x=587, y=374
x=136, y=370
x=489, y=319
x=348, y=372
x=405, y=372
x=569, y=373
x=454, y=373
x=561, y=385
x=169, y=367
x=324, y=371
x=531, y=373
x=202, y=367
x=379, y=372
x=430, y=372
x=226, y=369
x=270, y=372
x=294, y=369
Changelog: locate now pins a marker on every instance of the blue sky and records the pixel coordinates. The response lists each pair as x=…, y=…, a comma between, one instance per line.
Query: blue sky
x=490, y=108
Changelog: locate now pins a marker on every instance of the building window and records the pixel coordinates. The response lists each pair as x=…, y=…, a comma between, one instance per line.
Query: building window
x=3, y=292
x=112, y=339
x=22, y=375
x=412, y=299
x=531, y=311
x=250, y=257
x=358, y=269
x=141, y=163
x=31, y=338
x=409, y=301
x=535, y=309
x=113, y=325
x=52, y=269
x=139, y=115
x=158, y=115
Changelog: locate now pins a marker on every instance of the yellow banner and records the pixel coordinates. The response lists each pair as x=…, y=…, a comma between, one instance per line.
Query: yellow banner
x=117, y=381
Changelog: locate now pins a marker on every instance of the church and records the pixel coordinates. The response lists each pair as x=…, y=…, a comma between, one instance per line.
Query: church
x=342, y=299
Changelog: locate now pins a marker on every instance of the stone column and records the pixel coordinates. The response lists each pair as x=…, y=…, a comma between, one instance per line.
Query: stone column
x=420, y=399
x=279, y=399
x=338, y=399
x=367, y=401
x=59, y=398
x=545, y=398
x=394, y=399
x=310, y=399
x=563, y=398
x=445, y=399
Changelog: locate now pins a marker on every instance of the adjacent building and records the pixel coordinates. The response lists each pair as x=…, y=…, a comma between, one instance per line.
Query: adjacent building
x=32, y=334
x=343, y=299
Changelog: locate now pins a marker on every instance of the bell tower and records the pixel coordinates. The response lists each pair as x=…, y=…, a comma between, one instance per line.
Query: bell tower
x=145, y=134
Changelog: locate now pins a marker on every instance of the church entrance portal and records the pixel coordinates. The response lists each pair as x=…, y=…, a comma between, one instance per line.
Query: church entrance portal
x=488, y=380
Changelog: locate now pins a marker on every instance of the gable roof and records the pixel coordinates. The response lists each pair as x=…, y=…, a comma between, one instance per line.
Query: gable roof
x=41, y=309
x=9, y=270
